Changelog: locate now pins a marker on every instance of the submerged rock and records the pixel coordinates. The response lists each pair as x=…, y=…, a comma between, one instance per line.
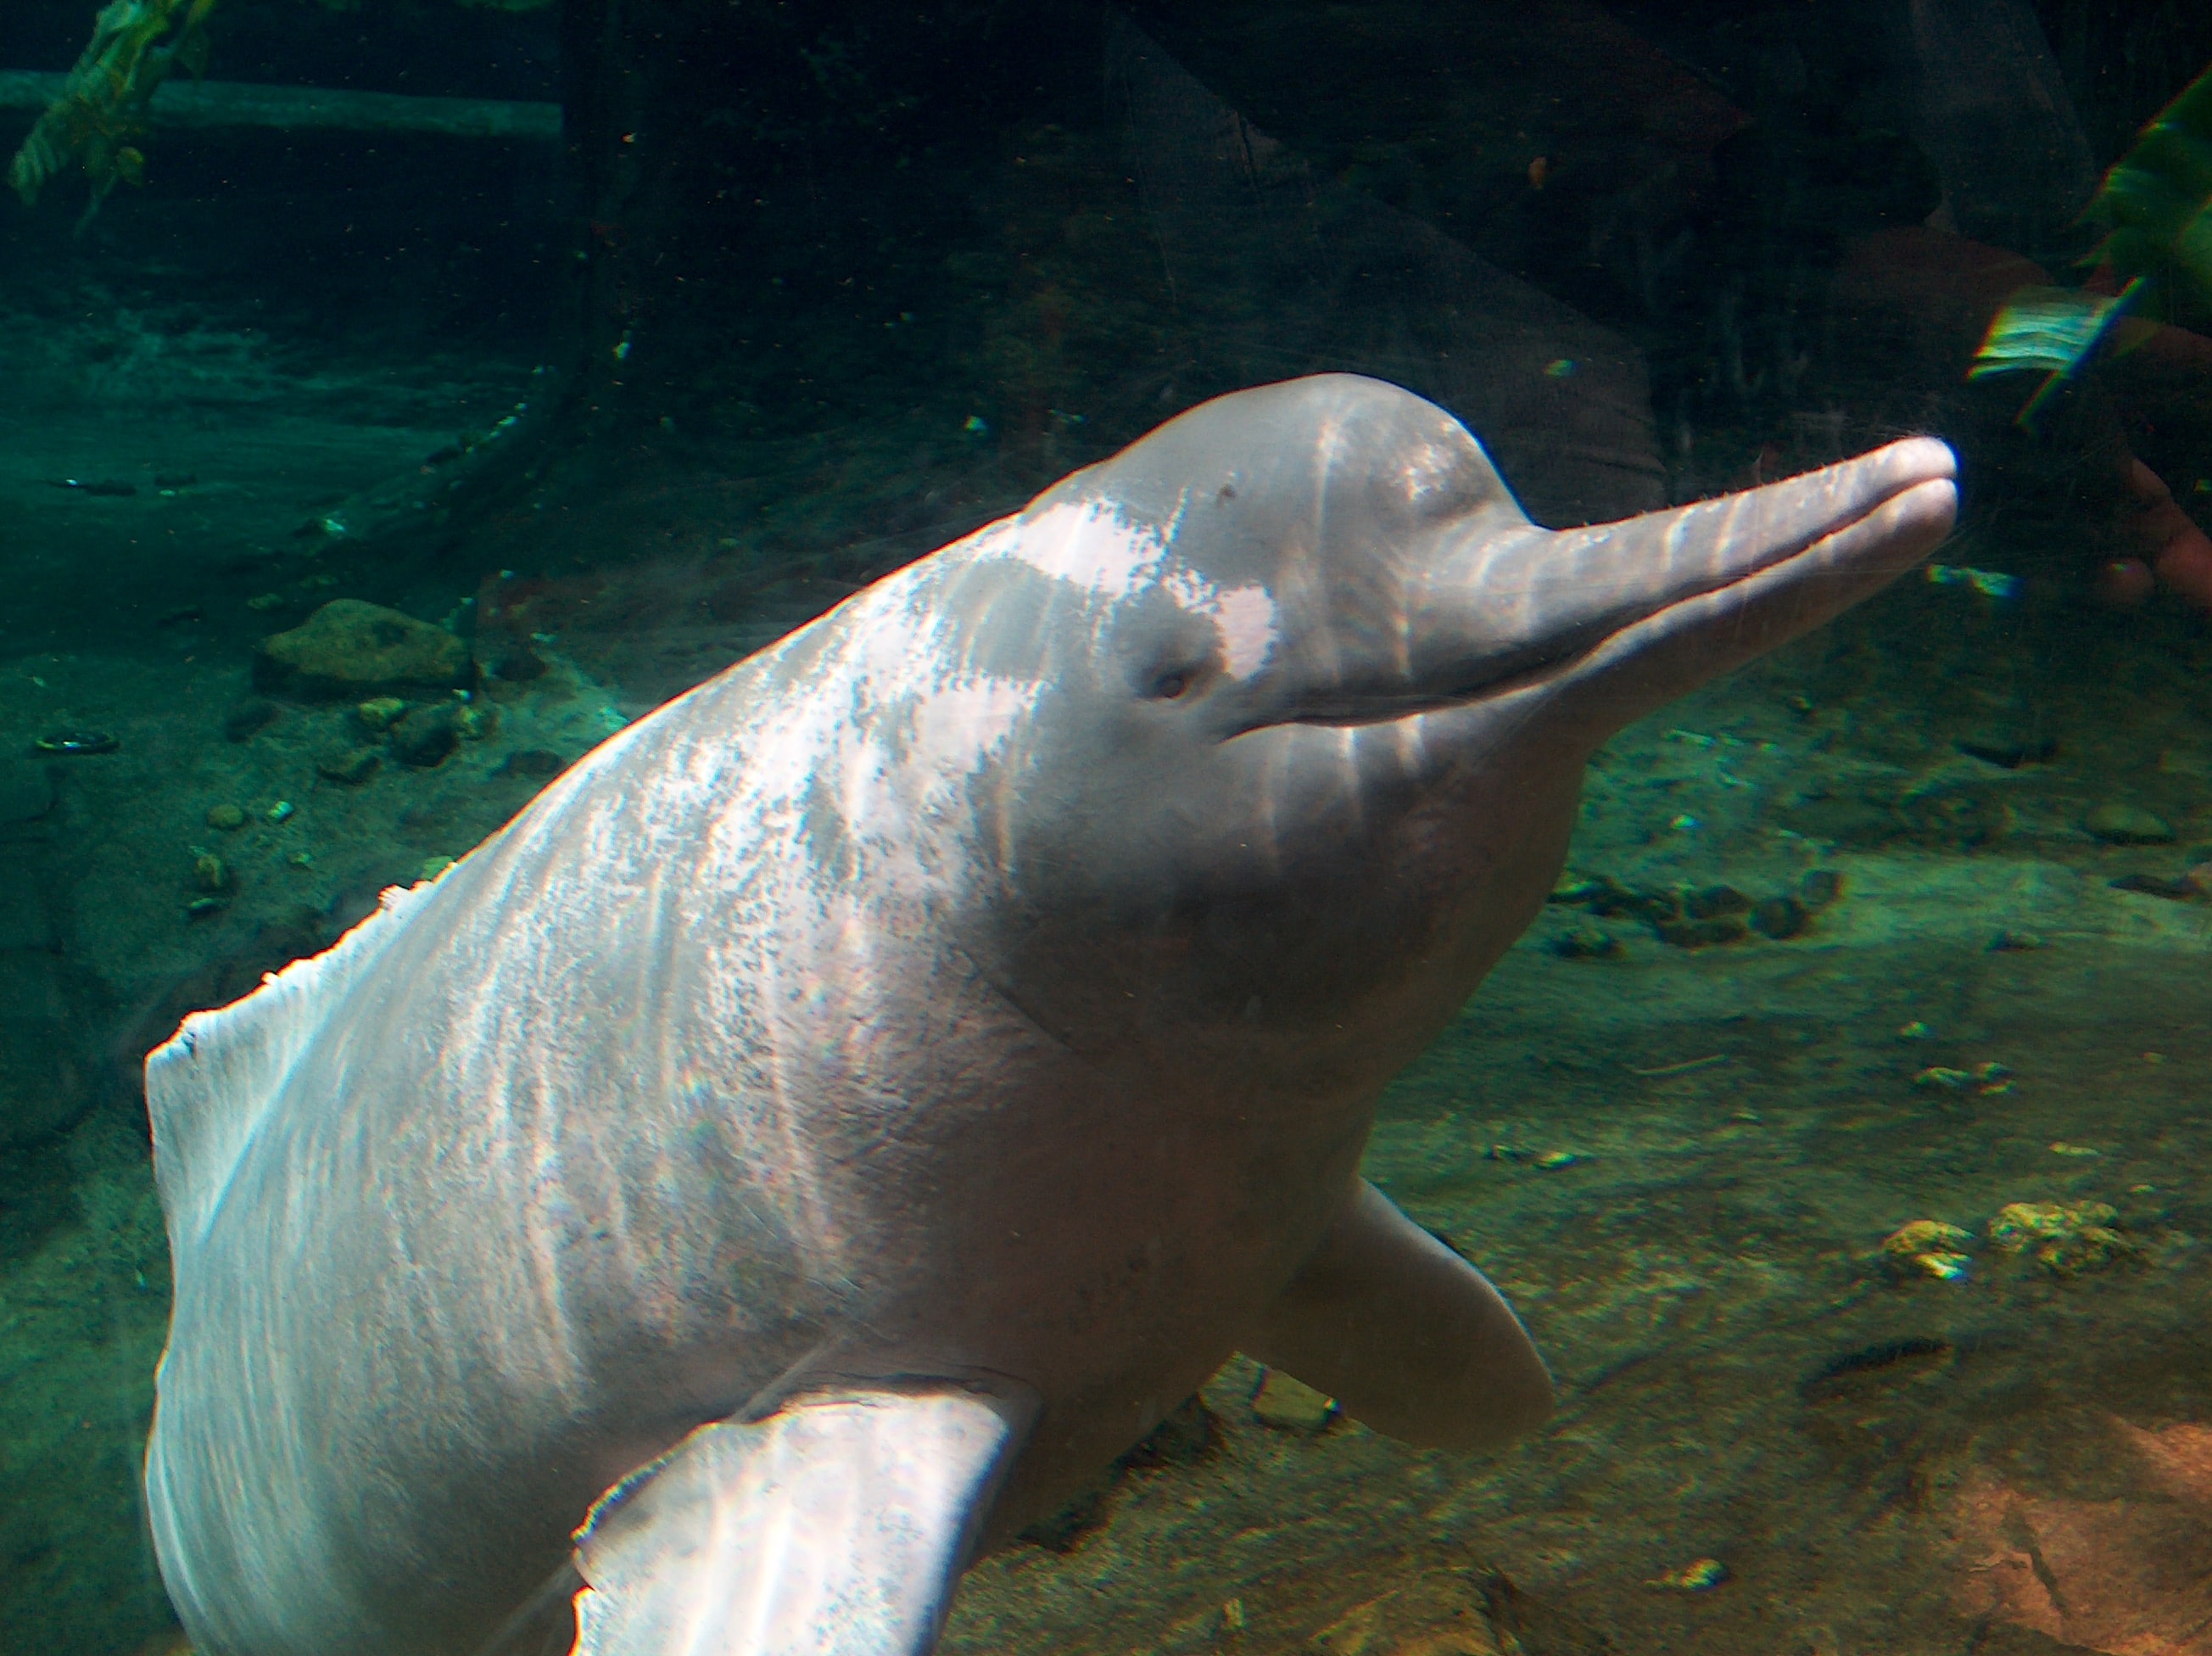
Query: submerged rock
x=1820, y=887
x=2119, y=824
x=535, y=762
x=1929, y=1247
x=379, y=712
x=1780, y=917
x=1585, y=943
x=358, y=651
x=2008, y=749
x=1710, y=901
x=426, y=736
x=1292, y=1405
x=351, y=766
x=1959, y=817
x=2065, y=1239
x=249, y=718
x=1702, y=934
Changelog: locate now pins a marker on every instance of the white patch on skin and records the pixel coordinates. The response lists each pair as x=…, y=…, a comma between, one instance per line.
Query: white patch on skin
x=1244, y=616
x=960, y=730
x=1087, y=543
x=1248, y=632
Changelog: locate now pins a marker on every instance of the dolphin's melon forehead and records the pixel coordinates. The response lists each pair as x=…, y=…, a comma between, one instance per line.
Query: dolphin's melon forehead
x=1306, y=458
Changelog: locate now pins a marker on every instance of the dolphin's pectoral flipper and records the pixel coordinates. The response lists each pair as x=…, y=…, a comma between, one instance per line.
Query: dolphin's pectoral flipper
x=1405, y=1335
x=835, y=1527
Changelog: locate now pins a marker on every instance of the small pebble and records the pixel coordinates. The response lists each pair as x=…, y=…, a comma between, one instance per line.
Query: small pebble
x=1819, y=887
x=2009, y=751
x=228, y=817
x=1292, y=1405
x=538, y=761
x=353, y=767
x=2182, y=889
x=2118, y=823
x=2017, y=942
x=1780, y=917
x=1702, y=934
x=209, y=873
x=1929, y=1247
x=379, y=713
x=1698, y=1575
x=1715, y=900
x=1552, y=1160
x=1585, y=943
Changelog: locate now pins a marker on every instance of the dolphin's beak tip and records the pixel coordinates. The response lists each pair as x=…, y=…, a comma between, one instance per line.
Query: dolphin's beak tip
x=1924, y=458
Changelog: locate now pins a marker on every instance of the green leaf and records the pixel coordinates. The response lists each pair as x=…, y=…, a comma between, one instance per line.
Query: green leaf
x=2156, y=202
x=2050, y=329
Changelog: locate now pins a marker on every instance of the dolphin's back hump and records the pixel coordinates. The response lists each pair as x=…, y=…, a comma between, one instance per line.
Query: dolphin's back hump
x=209, y=1086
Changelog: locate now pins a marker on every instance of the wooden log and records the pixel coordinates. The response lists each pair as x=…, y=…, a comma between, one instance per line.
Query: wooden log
x=302, y=108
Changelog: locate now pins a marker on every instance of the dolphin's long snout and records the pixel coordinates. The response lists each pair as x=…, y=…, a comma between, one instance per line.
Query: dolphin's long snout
x=1645, y=564
x=1621, y=617
x=1747, y=574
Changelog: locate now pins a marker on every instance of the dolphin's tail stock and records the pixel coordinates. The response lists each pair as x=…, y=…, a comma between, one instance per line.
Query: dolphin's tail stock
x=836, y=1526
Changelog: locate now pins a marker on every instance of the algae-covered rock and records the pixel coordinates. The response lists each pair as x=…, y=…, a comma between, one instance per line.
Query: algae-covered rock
x=2065, y=1239
x=356, y=651
x=377, y=713
x=1927, y=1247
x=2118, y=823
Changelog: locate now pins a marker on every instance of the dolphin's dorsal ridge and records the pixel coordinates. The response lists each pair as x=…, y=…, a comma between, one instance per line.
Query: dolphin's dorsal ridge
x=209, y=1086
x=835, y=1527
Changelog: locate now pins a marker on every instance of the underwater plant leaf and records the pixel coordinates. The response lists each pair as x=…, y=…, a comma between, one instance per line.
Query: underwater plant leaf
x=2053, y=329
x=101, y=110
x=2156, y=201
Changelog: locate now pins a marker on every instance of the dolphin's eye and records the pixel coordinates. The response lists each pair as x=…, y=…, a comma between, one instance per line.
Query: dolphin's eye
x=1168, y=685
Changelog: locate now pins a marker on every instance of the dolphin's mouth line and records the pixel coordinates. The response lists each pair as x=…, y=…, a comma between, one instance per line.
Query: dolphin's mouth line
x=1535, y=675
